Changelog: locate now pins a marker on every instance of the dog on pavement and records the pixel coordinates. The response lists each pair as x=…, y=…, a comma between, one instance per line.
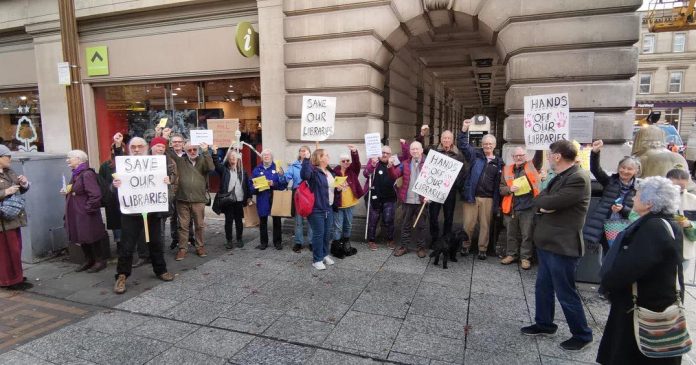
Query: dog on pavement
x=448, y=245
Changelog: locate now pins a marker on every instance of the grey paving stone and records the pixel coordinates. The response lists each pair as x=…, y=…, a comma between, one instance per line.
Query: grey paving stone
x=269, y=302
x=342, y=275
x=512, y=289
x=336, y=291
x=529, y=357
x=439, y=307
x=386, y=304
x=394, y=283
x=164, y=330
x=148, y=303
x=112, y=322
x=181, y=356
x=498, y=336
x=366, y=332
x=319, y=309
x=408, y=359
x=435, y=326
x=177, y=290
x=440, y=290
x=429, y=346
x=547, y=360
x=197, y=311
x=501, y=306
x=215, y=342
x=407, y=264
x=549, y=346
x=450, y=277
x=265, y=351
x=323, y=357
x=15, y=357
x=122, y=348
x=300, y=330
x=227, y=293
x=63, y=344
x=247, y=318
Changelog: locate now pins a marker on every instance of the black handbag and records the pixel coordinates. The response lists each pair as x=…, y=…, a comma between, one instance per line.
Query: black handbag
x=222, y=201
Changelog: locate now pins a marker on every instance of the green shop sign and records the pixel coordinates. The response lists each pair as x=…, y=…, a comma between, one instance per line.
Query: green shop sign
x=247, y=40
x=97, y=60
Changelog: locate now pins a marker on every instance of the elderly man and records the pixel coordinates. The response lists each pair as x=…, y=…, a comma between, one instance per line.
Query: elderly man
x=517, y=205
x=410, y=201
x=382, y=198
x=192, y=195
x=480, y=191
x=561, y=209
x=176, y=149
x=132, y=226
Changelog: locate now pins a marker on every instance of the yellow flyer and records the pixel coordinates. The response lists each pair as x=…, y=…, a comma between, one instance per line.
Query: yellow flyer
x=522, y=184
x=340, y=180
x=584, y=157
x=260, y=183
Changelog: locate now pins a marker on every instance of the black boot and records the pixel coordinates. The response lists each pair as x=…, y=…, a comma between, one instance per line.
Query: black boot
x=350, y=250
x=262, y=246
x=338, y=249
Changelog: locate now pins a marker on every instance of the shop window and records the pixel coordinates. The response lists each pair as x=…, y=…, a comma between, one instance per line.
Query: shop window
x=679, y=42
x=672, y=116
x=645, y=80
x=675, y=81
x=642, y=113
x=648, y=43
x=20, y=121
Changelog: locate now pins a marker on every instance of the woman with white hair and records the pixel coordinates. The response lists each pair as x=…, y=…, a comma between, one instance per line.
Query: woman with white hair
x=648, y=255
x=348, y=195
x=275, y=179
x=83, y=220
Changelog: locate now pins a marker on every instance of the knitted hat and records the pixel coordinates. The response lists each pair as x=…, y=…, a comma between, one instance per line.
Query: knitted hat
x=4, y=151
x=159, y=140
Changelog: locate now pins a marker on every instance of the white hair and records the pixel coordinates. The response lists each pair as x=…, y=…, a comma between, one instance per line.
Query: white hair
x=137, y=139
x=268, y=151
x=659, y=192
x=344, y=156
x=416, y=143
x=489, y=137
x=78, y=154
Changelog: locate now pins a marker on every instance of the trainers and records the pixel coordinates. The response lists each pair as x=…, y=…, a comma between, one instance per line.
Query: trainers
x=574, y=344
x=422, y=252
x=391, y=245
x=328, y=260
x=297, y=247
x=464, y=252
x=120, y=286
x=402, y=250
x=180, y=255
x=525, y=264
x=372, y=245
x=507, y=260
x=167, y=276
x=319, y=265
x=482, y=256
x=200, y=251
x=535, y=330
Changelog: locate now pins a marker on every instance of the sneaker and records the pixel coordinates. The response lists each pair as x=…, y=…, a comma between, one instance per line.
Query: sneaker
x=297, y=247
x=422, y=252
x=319, y=265
x=391, y=245
x=574, y=344
x=372, y=246
x=525, y=264
x=507, y=260
x=535, y=330
x=180, y=255
x=200, y=251
x=328, y=260
x=167, y=276
x=482, y=256
x=464, y=252
x=120, y=285
x=402, y=250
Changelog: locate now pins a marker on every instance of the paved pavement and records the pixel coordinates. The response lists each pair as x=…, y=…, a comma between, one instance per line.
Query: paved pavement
x=271, y=307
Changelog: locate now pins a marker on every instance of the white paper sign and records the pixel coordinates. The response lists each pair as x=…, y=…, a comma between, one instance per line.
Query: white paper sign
x=546, y=120
x=199, y=136
x=142, y=184
x=373, y=145
x=582, y=127
x=318, y=118
x=437, y=176
x=63, y=73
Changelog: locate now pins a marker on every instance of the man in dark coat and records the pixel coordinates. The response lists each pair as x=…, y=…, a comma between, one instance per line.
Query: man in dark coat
x=561, y=210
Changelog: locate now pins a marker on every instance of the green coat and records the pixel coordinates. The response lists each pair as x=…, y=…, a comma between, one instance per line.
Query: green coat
x=193, y=178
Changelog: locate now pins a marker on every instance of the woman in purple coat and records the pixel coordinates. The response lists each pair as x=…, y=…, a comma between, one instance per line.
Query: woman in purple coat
x=83, y=220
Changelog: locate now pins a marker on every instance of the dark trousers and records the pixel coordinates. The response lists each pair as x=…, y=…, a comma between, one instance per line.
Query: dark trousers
x=448, y=212
x=387, y=212
x=409, y=234
x=174, y=228
x=263, y=227
x=557, y=275
x=92, y=251
x=233, y=215
x=132, y=230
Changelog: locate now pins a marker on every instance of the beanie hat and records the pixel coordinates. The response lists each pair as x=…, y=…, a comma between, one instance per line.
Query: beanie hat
x=158, y=140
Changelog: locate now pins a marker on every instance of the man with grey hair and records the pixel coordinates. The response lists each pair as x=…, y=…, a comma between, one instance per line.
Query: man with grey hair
x=480, y=190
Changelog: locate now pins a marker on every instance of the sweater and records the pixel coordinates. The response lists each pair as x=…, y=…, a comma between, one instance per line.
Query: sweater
x=352, y=172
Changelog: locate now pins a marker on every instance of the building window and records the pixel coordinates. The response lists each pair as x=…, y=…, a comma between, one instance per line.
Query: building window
x=642, y=113
x=679, y=42
x=648, y=43
x=20, y=121
x=675, y=81
x=645, y=80
x=672, y=116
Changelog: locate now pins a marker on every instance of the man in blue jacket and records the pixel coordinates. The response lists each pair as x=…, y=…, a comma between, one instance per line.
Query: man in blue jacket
x=480, y=193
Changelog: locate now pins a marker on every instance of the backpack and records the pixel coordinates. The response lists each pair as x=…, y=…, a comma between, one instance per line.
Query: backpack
x=304, y=200
x=106, y=194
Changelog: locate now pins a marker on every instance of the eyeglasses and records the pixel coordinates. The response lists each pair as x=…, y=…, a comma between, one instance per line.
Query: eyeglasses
x=345, y=160
x=518, y=156
x=192, y=150
x=177, y=141
x=138, y=146
x=386, y=153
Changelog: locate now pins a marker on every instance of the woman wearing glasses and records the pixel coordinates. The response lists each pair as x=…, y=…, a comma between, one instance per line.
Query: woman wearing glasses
x=348, y=195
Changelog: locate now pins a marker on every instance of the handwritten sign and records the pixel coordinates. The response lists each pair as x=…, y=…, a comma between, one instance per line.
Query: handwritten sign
x=223, y=131
x=373, y=145
x=437, y=176
x=199, y=136
x=582, y=127
x=142, y=184
x=318, y=118
x=546, y=120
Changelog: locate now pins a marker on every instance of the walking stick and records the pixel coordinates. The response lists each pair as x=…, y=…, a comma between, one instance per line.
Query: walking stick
x=369, y=200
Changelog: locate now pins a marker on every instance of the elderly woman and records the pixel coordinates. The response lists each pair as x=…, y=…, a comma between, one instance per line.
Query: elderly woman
x=317, y=173
x=646, y=253
x=348, y=194
x=293, y=174
x=234, y=185
x=617, y=198
x=83, y=220
x=275, y=180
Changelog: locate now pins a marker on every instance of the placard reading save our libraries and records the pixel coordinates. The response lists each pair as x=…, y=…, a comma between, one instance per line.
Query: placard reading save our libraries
x=545, y=120
x=437, y=176
x=142, y=184
x=318, y=118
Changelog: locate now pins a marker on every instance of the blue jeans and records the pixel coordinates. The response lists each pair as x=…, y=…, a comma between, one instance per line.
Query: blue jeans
x=322, y=224
x=299, y=236
x=117, y=235
x=557, y=274
x=344, y=223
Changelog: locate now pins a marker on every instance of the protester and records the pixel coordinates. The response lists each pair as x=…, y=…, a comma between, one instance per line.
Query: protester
x=177, y=149
x=11, y=274
x=264, y=199
x=382, y=198
x=234, y=185
x=320, y=178
x=158, y=146
x=83, y=219
x=132, y=230
x=410, y=202
x=687, y=206
x=106, y=171
x=518, y=212
x=561, y=210
x=480, y=191
x=192, y=195
x=617, y=196
x=348, y=194
x=294, y=175
x=648, y=254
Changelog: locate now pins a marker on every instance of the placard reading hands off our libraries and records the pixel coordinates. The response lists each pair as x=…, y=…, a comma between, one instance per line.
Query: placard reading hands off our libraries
x=142, y=184
x=437, y=176
x=546, y=120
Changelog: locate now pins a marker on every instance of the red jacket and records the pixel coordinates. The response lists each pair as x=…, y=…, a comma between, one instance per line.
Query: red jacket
x=352, y=173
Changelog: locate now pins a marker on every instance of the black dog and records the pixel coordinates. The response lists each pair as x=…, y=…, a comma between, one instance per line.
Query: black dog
x=342, y=248
x=448, y=245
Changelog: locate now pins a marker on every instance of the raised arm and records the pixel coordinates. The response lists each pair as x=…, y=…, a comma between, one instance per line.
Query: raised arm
x=595, y=167
x=463, y=144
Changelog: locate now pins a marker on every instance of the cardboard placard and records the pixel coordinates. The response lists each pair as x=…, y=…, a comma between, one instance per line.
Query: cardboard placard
x=223, y=131
x=318, y=118
x=199, y=136
x=437, y=177
x=373, y=145
x=582, y=127
x=142, y=184
x=546, y=120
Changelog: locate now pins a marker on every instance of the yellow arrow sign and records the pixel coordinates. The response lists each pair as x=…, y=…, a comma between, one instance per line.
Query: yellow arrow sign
x=97, y=59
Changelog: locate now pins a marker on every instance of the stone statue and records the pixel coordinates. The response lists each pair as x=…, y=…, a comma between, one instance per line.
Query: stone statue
x=655, y=158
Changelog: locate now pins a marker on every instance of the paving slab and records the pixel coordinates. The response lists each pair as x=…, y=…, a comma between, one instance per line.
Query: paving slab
x=164, y=329
x=367, y=332
x=475, y=356
x=175, y=355
x=302, y=330
x=197, y=311
x=215, y=342
x=247, y=318
x=386, y=304
x=440, y=307
x=263, y=351
x=323, y=357
x=414, y=342
x=120, y=348
x=408, y=358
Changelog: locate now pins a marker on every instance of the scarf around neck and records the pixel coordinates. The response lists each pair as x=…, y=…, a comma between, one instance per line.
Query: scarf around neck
x=81, y=167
